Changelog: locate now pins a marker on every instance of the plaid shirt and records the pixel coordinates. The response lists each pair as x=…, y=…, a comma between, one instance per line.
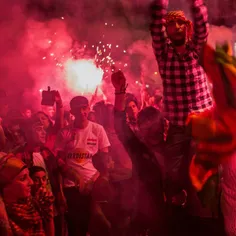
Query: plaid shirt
x=185, y=87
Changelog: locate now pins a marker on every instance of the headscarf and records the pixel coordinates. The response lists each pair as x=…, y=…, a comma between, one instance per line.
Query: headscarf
x=26, y=215
x=176, y=15
x=10, y=167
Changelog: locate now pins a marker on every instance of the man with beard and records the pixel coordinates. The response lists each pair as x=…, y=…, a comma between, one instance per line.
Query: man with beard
x=177, y=47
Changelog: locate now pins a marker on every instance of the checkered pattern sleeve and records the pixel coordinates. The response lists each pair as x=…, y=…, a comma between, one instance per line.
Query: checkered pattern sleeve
x=201, y=26
x=157, y=27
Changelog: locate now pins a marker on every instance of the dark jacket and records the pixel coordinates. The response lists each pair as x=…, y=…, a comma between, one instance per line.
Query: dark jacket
x=146, y=174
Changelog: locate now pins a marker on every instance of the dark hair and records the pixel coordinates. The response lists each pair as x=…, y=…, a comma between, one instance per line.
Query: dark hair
x=104, y=114
x=130, y=98
x=99, y=160
x=35, y=169
x=79, y=101
x=151, y=115
x=35, y=118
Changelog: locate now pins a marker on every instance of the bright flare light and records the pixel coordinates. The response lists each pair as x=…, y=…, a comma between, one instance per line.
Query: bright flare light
x=83, y=76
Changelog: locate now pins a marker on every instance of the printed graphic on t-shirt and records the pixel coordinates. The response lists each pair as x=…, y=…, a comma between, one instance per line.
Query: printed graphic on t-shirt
x=79, y=145
x=92, y=141
x=79, y=155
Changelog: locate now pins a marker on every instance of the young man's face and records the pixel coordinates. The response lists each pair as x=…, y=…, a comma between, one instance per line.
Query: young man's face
x=40, y=180
x=177, y=32
x=27, y=113
x=132, y=110
x=80, y=113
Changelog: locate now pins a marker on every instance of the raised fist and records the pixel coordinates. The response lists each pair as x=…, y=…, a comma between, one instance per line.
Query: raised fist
x=119, y=81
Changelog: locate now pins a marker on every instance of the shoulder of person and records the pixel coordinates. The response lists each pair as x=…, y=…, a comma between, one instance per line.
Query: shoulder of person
x=96, y=128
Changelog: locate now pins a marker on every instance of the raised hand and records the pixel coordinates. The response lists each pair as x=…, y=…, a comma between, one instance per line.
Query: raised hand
x=58, y=99
x=119, y=81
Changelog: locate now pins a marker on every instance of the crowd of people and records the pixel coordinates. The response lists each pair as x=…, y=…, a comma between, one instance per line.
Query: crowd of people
x=117, y=169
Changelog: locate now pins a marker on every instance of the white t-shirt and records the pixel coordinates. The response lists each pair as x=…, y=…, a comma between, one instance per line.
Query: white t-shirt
x=80, y=145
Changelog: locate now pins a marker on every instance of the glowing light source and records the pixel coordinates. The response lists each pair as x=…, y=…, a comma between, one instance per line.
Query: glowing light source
x=83, y=75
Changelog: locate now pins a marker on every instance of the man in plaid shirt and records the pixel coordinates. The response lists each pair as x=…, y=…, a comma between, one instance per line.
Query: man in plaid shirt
x=177, y=47
x=184, y=80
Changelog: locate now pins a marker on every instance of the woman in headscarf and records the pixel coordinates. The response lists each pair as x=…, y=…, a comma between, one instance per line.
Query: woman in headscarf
x=27, y=215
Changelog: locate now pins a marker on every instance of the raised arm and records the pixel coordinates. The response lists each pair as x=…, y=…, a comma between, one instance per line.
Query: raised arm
x=157, y=27
x=59, y=122
x=200, y=21
x=122, y=129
